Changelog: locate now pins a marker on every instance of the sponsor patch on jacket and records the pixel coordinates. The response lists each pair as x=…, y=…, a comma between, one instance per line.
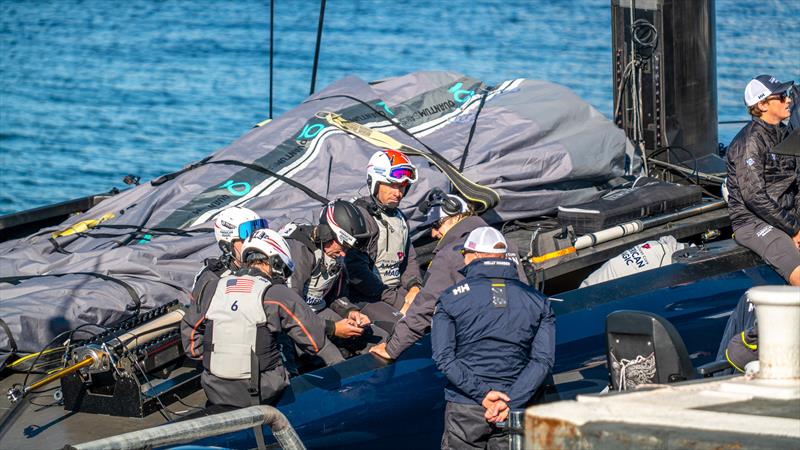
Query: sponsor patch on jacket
x=461, y=289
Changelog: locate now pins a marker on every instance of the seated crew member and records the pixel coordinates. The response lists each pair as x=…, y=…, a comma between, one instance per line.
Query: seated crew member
x=493, y=337
x=743, y=349
x=763, y=193
x=319, y=276
x=231, y=227
x=386, y=270
x=242, y=363
x=451, y=220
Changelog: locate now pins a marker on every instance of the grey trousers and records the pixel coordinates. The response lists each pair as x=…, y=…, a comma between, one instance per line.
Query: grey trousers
x=221, y=391
x=773, y=245
x=466, y=428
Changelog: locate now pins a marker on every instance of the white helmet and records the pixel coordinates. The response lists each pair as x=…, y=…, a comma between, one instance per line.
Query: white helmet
x=226, y=225
x=268, y=245
x=390, y=166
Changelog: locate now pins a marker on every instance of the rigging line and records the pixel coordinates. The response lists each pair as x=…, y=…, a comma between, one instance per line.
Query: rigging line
x=271, y=49
x=171, y=176
x=472, y=130
x=128, y=288
x=316, y=50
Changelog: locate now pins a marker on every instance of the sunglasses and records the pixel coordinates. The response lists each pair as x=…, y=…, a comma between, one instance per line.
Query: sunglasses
x=779, y=97
x=247, y=229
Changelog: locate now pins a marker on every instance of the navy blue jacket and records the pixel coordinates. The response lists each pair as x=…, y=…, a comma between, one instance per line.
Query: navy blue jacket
x=493, y=332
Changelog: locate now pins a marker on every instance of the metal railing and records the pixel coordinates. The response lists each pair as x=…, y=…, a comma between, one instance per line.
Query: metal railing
x=204, y=427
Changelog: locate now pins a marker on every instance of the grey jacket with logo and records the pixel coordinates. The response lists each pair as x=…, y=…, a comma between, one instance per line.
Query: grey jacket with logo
x=442, y=273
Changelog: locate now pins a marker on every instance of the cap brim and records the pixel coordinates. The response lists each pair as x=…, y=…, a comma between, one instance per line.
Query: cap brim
x=783, y=87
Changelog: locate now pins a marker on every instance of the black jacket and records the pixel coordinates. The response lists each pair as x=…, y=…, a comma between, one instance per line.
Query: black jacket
x=365, y=284
x=762, y=185
x=493, y=332
x=302, y=248
x=193, y=325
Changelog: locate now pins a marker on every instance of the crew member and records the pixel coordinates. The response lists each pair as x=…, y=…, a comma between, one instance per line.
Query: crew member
x=451, y=220
x=493, y=337
x=319, y=276
x=743, y=349
x=231, y=227
x=249, y=308
x=763, y=198
x=387, y=269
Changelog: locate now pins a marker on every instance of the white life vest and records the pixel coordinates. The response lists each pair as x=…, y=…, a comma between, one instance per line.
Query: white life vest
x=324, y=277
x=235, y=313
x=646, y=256
x=392, y=240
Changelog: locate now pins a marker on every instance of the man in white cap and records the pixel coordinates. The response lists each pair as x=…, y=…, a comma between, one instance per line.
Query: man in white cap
x=763, y=197
x=493, y=337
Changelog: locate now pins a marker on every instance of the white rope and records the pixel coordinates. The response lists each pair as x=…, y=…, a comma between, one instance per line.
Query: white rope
x=643, y=368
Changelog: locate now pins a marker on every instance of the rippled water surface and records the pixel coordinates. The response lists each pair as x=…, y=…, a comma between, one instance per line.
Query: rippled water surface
x=93, y=90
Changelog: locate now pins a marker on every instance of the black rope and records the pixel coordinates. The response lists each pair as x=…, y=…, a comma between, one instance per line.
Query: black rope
x=11, y=342
x=286, y=180
x=316, y=50
x=271, y=32
x=472, y=132
x=131, y=291
x=171, y=176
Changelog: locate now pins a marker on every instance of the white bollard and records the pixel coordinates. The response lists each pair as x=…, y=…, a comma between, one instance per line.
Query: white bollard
x=778, y=312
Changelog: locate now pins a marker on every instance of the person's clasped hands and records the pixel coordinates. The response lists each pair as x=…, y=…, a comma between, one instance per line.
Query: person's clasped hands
x=496, y=404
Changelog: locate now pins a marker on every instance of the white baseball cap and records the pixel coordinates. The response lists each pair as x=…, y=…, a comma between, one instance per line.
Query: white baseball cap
x=762, y=87
x=485, y=240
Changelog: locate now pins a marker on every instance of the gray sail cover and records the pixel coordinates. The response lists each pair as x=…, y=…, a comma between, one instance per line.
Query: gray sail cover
x=536, y=143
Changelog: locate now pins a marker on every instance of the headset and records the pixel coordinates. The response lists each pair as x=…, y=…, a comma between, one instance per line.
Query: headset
x=437, y=197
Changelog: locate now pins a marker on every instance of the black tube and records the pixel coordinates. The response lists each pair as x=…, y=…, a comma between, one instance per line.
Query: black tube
x=271, y=52
x=316, y=50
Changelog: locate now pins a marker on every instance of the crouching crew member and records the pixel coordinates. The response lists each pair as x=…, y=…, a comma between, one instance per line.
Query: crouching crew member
x=493, y=338
x=386, y=270
x=242, y=360
x=451, y=219
x=231, y=227
x=319, y=275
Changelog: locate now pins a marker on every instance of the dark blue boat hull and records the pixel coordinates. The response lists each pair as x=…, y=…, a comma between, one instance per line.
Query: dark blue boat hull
x=365, y=402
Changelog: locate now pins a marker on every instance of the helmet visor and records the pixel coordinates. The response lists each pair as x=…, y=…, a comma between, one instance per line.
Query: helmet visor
x=247, y=229
x=402, y=173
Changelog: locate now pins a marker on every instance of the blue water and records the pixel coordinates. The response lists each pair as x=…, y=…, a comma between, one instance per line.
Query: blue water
x=93, y=90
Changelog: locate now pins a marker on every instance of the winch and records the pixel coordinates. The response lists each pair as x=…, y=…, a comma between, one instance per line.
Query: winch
x=131, y=369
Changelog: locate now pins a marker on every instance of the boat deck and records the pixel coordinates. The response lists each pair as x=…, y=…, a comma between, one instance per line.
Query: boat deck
x=39, y=423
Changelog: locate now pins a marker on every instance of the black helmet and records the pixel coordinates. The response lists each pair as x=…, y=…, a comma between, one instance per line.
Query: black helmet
x=342, y=221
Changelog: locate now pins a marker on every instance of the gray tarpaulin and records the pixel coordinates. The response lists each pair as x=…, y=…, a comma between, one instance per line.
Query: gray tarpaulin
x=535, y=142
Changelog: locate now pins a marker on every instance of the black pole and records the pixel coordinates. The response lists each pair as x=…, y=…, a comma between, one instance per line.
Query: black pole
x=271, y=32
x=316, y=51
